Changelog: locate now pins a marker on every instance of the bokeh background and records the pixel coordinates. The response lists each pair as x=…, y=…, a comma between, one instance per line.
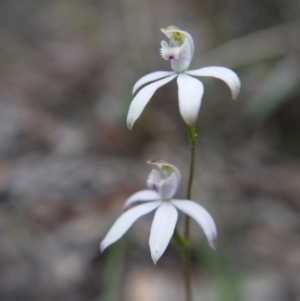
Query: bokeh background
x=68, y=162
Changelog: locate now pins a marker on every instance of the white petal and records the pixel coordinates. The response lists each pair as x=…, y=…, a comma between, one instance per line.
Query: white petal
x=222, y=73
x=125, y=221
x=190, y=91
x=162, y=229
x=142, y=196
x=201, y=216
x=149, y=78
x=142, y=98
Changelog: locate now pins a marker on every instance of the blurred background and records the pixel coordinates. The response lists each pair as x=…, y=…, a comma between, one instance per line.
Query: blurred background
x=68, y=162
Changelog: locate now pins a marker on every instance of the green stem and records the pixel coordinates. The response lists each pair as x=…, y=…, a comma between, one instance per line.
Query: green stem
x=183, y=242
x=193, y=142
x=186, y=252
x=179, y=239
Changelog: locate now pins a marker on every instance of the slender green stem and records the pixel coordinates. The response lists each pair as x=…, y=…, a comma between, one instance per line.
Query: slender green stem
x=183, y=242
x=193, y=142
x=180, y=240
x=186, y=252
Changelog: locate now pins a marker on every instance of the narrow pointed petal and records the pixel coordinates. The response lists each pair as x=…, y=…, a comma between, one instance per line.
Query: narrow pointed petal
x=125, y=221
x=222, y=73
x=142, y=98
x=150, y=78
x=190, y=92
x=201, y=216
x=146, y=195
x=162, y=229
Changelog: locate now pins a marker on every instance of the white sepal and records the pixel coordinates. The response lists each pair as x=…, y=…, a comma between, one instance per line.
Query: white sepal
x=222, y=73
x=150, y=78
x=142, y=98
x=146, y=195
x=190, y=92
x=201, y=216
x=125, y=221
x=162, y=229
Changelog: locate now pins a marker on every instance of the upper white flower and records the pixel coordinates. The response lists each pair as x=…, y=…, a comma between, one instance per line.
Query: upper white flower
x=163, y=182
x=179, y=51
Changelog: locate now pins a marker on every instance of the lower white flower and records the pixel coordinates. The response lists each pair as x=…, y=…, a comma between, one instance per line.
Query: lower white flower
x=164, y=183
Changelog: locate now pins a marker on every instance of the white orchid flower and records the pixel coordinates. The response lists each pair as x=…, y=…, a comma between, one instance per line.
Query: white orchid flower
x=163, y=183
x=179, y=51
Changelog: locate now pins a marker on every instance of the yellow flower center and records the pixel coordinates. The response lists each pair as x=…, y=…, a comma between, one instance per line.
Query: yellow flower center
x=177, y=36
x=167, y=169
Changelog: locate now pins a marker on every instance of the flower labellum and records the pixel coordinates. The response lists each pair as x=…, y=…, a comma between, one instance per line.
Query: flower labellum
x=163, y=183
x=179, y=50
